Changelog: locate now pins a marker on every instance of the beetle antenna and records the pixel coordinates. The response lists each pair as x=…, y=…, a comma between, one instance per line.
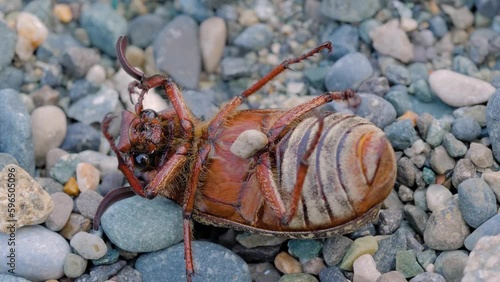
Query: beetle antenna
x=112, y=197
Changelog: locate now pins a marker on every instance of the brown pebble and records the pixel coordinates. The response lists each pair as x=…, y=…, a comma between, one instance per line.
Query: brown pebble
x=287, y=264
x=71, y=187
x=63, y=13
x=75, y=224
x=87, y=177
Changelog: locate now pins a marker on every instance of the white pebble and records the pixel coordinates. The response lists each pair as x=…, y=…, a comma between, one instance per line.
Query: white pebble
x=212, y=41
x=248, y=143
x=391, y=40
x=436, y=196
x=480, y=155
x=96, y=74
x=365, y=269
x=493, y=180
x=87, y=177
x=88, y=246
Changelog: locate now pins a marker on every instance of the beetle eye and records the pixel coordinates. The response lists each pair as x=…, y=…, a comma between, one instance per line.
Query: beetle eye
x=148, y=114
x=142, y=161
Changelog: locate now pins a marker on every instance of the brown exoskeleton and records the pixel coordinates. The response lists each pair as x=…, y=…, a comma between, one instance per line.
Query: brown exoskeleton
x=307, y=177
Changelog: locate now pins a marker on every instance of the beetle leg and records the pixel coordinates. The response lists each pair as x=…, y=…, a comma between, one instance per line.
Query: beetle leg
x=268, y=186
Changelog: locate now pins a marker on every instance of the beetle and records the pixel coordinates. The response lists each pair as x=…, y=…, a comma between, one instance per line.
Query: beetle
x=311, y=175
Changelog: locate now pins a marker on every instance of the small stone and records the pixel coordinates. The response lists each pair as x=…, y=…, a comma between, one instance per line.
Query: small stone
x=348, y=72
x=257, y=254
x=102, y=272
x=437, y=195
x=465, y=128
x=63, y=13
x=451, y=265
x=254, y=37
x=248, y=18
x=429, y=176
x=428, y=277
x=128, y=274
x=297, y=277
x=420, y=199
x=406, y=263
x=366, y=27
x=96, y=74
x=75, y=224
x=480, y=155
x=87, y=203
x=248, y=143
x=87, y=177
x=400, y=100
x=426, y=257
x=453, y=146
x=92, y=108
x=64, y=168
x=376, y=85
x=313, y=266
x=49, y=129
x=345, y=41
x=32, y=204
x=74, y=265
x=392, y=276
x=88, y=246
x=493, y=123
x=483, y=260
x=365, y=269
x=406, y=172
x=401, y=134
x=110, y=257
x=440, y=161
x=354, y=11
x=332, y=274
x=31, y=33
x=405, y=194
x=390, y=40
x=104, y=163
x=71, y=187
x=397, y=74
x=304, y=249
x=376, y=109
x=78, y=60
x=335, y=248
x=477, y=201
x=11, y=278
x=389, y=221
x=493, y=180
x=287, y=264
x=212, y=42
x=438, y=26
x=416, y=217
x=249, y=240
x=142, y=29
x=80, y=137
x=464, y=170
x=63, y=205
x=360, y=246
x=7, y=45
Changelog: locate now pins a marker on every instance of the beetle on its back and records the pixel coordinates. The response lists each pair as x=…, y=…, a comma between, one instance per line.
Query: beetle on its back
x=310, y=175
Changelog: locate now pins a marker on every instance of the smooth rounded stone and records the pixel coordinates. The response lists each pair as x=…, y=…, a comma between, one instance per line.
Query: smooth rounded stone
x=250, y=240
x=493, y=180
x=6, y=159
x=435, y=133
x=464, y=65
x=345, y=40
x=87, y=203
x=104, y=163
x=332, y=274
x=81, y=88
x=428, y=277
x=146, y=232
x=438, y=26
x=418, y=71
x=44, y=96
x=257, y=254
x=103, y=25
x=128, y=274
x=313, y=266
x=212, y=41
x=110, y=181
x=7, y=45
x=365, y=269
x=397, y=74
x=488, y=8
x=64, y=168
x=400, y=100
x=462, y=18
x=199, y=10
x=110, y=257
x=31, y=31
x=180, y=58
x=427, y=257
x=142, y=29
x=420, y=199
x=287, y=264
x=96, y=74
x=477, y=112
x=392, y=276
x=406, y=263
x=15, y=125
x=375, y=85
x=335, y=248
x=78, y=60
x=437, y=195
x=440, y=161
x=422, y=91
x=451, y=265
x=11, y=278
x=446, y=229
x=88, y=246
x=49, y=129
x=429, y=176
x=480, y=155
x=39, y=253
x=298, y=277
x=11, y=77
x=482, y=264
x=365, y=230
x=232, y=68
x=458, y=90
x=92, y=108
x=87, y=177
x=493, y=123
x=102, y=272
x=352, y=11
x=464, y=170
x=406, y=172
x=315, y=75
x=212, y=263
x=366, y=27
x=32, y=205
x=389, y=221
x=265, y=270
x=376, y=109
x=74, y=265
x=50, y=185
x=71, y=187
x=405, y=194
x=63, y=205
x=465, y=128
x=360, y=246
x=75, y=224
x=477, y=201
x=254, y=37
x=390, y=40
x=401, y=134
x=453, y=146
x=304, y=249
x=416, y=217
x=80, y=137
x=348, y=72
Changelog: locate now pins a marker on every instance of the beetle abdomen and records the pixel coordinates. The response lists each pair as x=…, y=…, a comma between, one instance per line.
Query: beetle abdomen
x=351, y=170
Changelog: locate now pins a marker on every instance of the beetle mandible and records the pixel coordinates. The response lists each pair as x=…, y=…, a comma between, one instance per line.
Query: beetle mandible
x=314, y=175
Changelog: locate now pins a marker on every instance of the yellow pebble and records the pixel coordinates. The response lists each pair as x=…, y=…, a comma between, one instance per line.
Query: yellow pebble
x=287, y=264
x=411, y=116
x=63, y=13
x=71, y=187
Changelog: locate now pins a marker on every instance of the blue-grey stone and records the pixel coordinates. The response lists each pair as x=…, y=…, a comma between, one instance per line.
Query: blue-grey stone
x=110, y=257
x=419, y=197
x=489, y=228
x=65, y=168
x=464, y=169
x=55, y=46
x=348, y=72
x=477, y=112
x=389, y=221
x=451, y=265
x=81, y=88
x=232, y=68
x=146, y=231
x=488, y=8
x=103, y=25
x=254, y=37
x=438, y=26
x=422, y=91
x=426, y=257
x=345, y=40
x=366, y=27
x=478, y=47
x=335, y=248
x=465, y=129
x=493, y=123
x=196, y=9
x=202, y=104
x=418, y=71
x=406, y=263
x=94, y=107
x=453, y=146
x=7, y=6
x=88, y=202
x=385, y=256
x=316, y=76
x=78, y=60
x=15, y=124
x=375, y=85
x=399, y=100
x=416, y=217
x=143, y=29
x=11, y=77
x=304, y=249
x=351, y=11
x=397, y=74
x=102, y=272
x=477, y=201
x=401, y=134
x=52, y=75
x=428, y=277
x=406, y=172
x=429, y=175
x=375, y=109
x=11, y=278
x=211, y=263
x=42, y=9
x=180, y=58
x=6, y=159
x=435, y=133
x=110, y=181
x=80, y=137
x=332, y=274
x=39, y=253
x=464, y=65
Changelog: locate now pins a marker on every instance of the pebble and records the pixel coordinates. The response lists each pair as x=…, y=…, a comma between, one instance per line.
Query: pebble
x=451, y=265
x=11, y=78
x=313, y=266
x=180, y=58
x=376, y=109
x=50, y=185
x=355, y=11
x=80, y=137
x=92, y=108
x=250, y=240
x=31, y=32
x=39, y=253
x=389, y=221
x=458, y=90
x=63, y=205
x=136, y=215
x=435, y=133
x=416, y=217
x=127, y=274
x=429, y=176
x=465, y=128
x=375, y=85
x=427, y=257
x=64, y=168
x=6, y=159
x=464, y=170
x=104, y=163
x=401, y=134
x=17, y=138
x=74, y=265
x=212, y=41
x=437, y=195
x=345, y=40
x=392, y=276
x=304, y=249
x=400, y=100
x=33, y=204
x=87, y=203
x=297, y=277
x=103, y=25
x=493, y=180
x=88, y=246
x=406, y=172
x=87, y=177
x=287, y=264
x=348, y=72
x=11, y=278
x=477, y=201
x=440, y=161
x=96, y=75
x=438, y=26
x=232, y=68
x=360, y=246
x=366, y=27
x=405, y=194
x=257, y=254
x=464, y=65
x=102, y=272
x=254, y=37
x=335, y=248
x=483, y=260
x=78, y=60
x=49, y=129
x=75, y=224
x=142, y=29
x=488, y=8
x=365, y=269
x=390, y=40
x=406, y=263
x=332, y=274
x=80, y=89
x=71, y=187
x=446, y=229
x=196, y=9
x=480, y=155
x=428, y=277
x=110, y=257
x=63, y=12
x=453, y=146
x=212, y=263
x=397, y=74
x=7, y=45
x=493, y=123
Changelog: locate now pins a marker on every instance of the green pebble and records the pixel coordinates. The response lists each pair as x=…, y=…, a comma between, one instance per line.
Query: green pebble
x=298, y=277
x=304, y=249
x=426, y=257
x=406, y=263
x=429, y=176
x=74, y=265
x=109, y=258
x=360, y=246
x=316, y=76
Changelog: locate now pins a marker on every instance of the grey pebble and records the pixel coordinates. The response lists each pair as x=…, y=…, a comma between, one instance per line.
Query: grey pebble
x=399, y=100
x=488, y=8
x=464, y=65
x=453, y=146
x=397, y=74
x=75, y=224
x=418, y=71
x=436, y=131
x=102, y=272
x=7, y=45
x=109, y=182
x=304, y=249
x=422, y=91
x=49, y=185
x=428, y=277
x=257, y=254
x=425, y=258
x=254, y=37
x=89, y=246
x=392, y=276
x=81, y=88
x=493, y=123
x=63, y=205
x=74, y=265
x=11, y=77
x=483, y=260
x=401, y=134
x=416, y=217
x=385, y=256
x=405, y=194
x=49, y=130
x=345, y=41
x=348, y=72
x=451, y=264
x=406, y=263
x=11, y=278
x=389, y=221
x=464, y=170
x=366, y=27
x=406, y=172
x=232, y=68
x=104, y=163
x=335, y=248
x=477, y=201
x=477, y=112
x=196, y=9
x=480, y=155
x=376, y=109
x=87, y=203
x=465, y=128
x=142, y=29
x=438, y=26
x=6, y=159
x=357, y=11
x=376, y=85
x=332, y=274
x=489, y=228
x=250, y=240
x=316, y=76
x=78, y=60
x=64, y=168
x=92, y=108
x=128, y=274
x=419, y=197
x=440, y=161
x=110, y=257
x=80, y=137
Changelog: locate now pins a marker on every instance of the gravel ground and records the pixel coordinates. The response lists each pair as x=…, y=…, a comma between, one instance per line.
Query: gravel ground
x=427, y=73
